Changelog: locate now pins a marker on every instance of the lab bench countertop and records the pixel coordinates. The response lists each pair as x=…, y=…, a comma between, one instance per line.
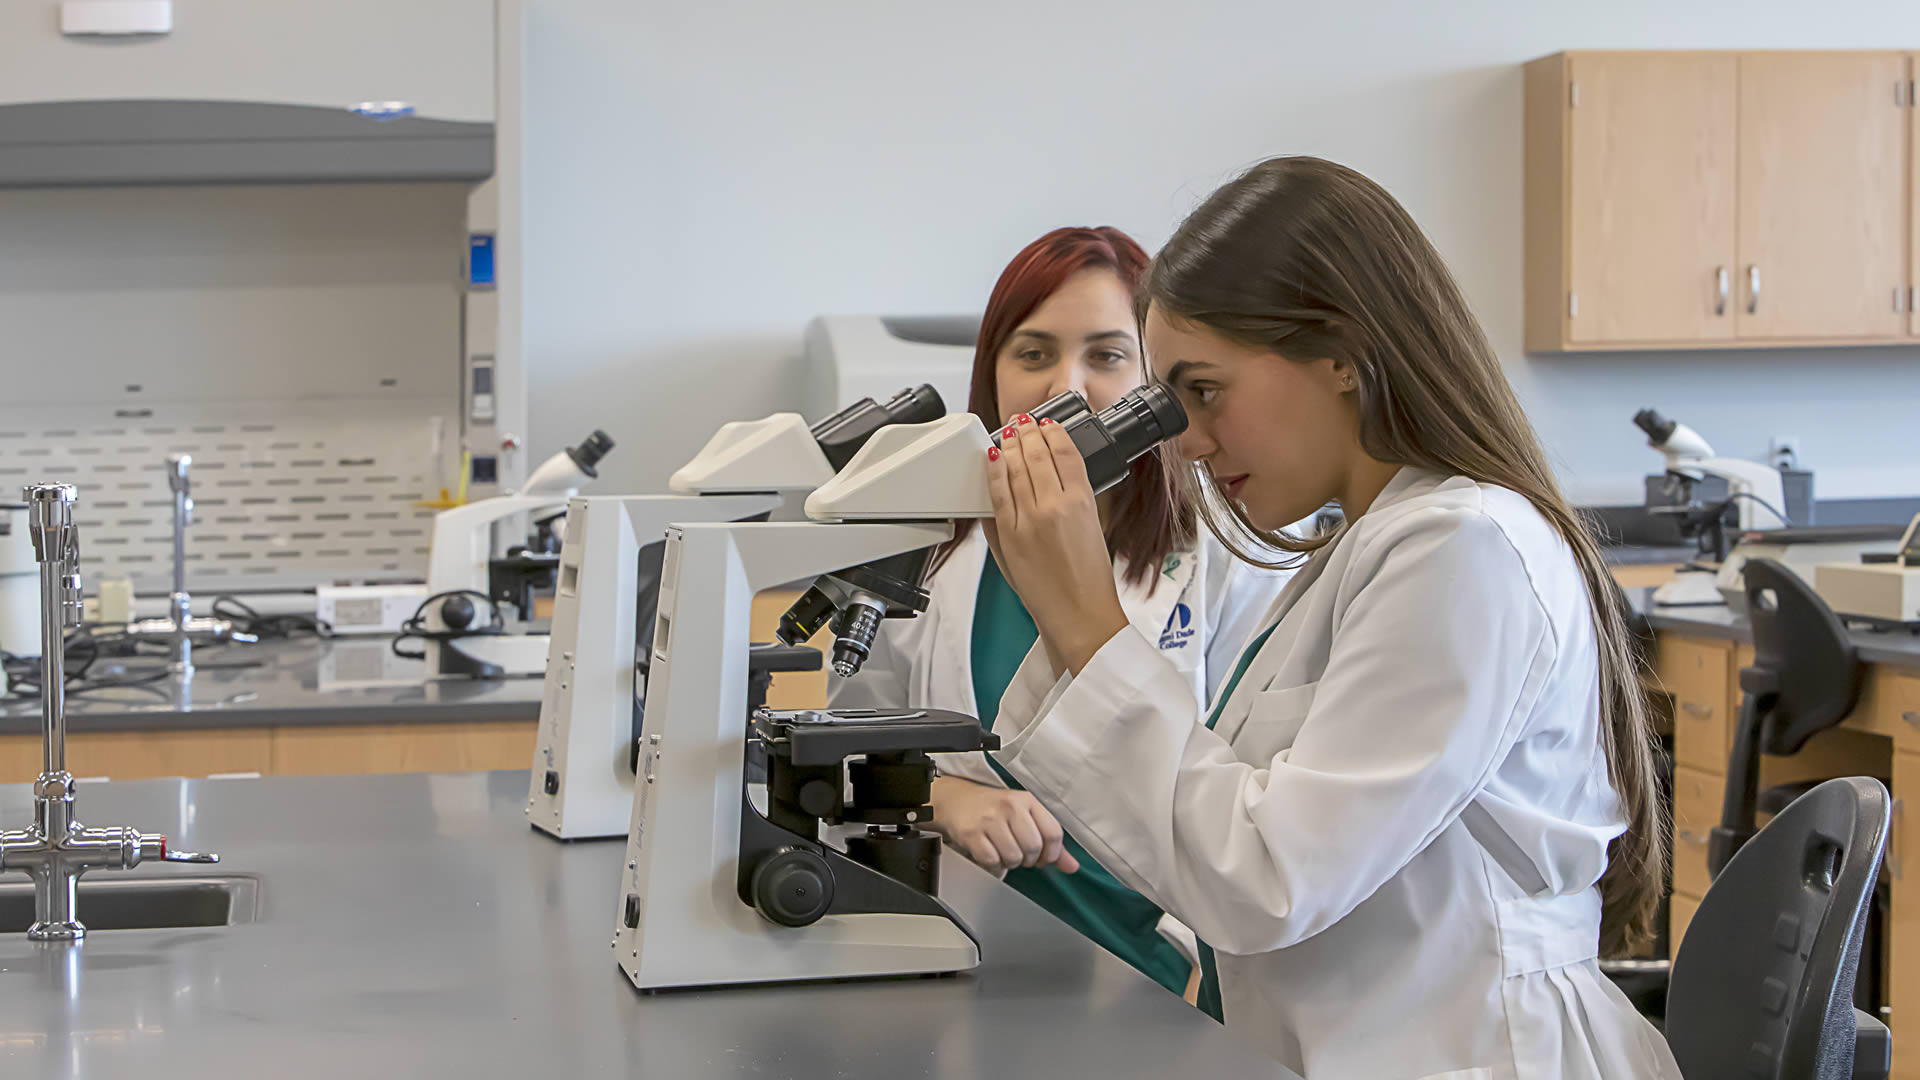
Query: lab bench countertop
x=415, y=926
x=286, y=683
x=1895, y=648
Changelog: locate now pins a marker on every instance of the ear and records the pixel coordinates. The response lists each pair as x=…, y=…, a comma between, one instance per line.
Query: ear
x=1336, y=375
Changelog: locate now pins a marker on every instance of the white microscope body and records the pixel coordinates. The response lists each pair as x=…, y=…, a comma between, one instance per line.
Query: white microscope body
x=1756, y=490
x=582, y=783
x=684, y=915
x=458, y=563
x=610, y=564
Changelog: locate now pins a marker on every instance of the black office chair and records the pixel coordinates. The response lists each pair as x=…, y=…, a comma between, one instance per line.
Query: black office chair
x=1763, y=983
x=1805, y=678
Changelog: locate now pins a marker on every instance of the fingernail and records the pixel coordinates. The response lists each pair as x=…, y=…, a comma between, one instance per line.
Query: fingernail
x=1045, y=420
x=993, y=453
x=1023, y=418
x=1007, y=434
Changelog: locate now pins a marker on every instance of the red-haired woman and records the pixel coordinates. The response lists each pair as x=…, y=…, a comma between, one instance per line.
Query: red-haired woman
x=1061, y=318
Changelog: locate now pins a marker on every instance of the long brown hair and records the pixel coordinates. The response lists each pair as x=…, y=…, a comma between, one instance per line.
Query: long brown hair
x=1312, y=260
x=1149, y=520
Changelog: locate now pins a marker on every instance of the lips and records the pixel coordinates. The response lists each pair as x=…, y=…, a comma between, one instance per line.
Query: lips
x=1232, y=484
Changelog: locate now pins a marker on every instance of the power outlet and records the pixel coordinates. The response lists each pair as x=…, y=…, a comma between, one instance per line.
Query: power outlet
x=1783, y=451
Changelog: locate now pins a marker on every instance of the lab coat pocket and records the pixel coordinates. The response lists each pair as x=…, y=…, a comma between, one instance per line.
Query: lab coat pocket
x=1272, y=721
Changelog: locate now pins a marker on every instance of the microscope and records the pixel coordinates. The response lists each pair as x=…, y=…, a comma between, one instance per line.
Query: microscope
x=1755, y=500
x=464, y=578
x=720, y=890
x=604, y=613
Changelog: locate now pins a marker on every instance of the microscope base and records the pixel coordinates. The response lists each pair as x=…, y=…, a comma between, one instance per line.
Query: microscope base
x=870, y=946
x=503, y=656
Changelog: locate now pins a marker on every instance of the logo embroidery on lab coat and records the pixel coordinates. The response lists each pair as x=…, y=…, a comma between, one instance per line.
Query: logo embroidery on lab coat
x=1172, y=564
x=1177, y=636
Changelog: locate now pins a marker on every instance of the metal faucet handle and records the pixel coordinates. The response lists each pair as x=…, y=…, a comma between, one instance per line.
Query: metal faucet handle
x=181, y=485
x=50, y=519
x=154, y=846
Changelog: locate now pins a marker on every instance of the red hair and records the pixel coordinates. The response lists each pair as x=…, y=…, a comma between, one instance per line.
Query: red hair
x=1148, y=521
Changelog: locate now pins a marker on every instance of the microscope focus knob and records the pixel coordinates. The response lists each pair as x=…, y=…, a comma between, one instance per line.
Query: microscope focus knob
x=818, y=798
x=793, y=887
x=457, y=612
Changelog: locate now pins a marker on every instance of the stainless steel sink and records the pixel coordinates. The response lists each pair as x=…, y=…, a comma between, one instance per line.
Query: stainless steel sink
x=118, y=903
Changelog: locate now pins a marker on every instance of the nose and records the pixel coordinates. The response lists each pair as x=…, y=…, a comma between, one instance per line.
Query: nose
x=1067, y=377
x=1195, y=443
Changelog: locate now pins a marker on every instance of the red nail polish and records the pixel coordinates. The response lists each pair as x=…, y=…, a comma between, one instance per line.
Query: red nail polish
x=1045, y=420
x=1023, y=418
x=1007, y=434
x=993, y=453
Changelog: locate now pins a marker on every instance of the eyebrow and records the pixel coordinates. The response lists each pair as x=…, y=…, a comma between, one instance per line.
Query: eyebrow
x=1182, y=367
x=1103, y=335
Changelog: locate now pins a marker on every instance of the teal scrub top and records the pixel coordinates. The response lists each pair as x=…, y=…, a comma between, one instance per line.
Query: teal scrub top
x=1092, y=900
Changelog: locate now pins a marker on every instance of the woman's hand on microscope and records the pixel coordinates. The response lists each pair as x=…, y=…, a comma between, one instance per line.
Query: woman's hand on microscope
x=998, y=828
x=1046, y=538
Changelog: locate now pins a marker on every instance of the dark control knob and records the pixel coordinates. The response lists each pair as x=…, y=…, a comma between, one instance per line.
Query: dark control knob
x=818, y=798
x=793, y=887
x=457, y=612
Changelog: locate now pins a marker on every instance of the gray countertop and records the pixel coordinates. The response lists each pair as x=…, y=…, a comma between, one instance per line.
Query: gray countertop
x=1897, y=648
x=1640, y=555
x=415, y=926
x=286, y=683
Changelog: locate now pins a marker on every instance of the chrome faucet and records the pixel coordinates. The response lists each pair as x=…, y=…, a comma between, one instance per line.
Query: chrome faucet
x=179, y=604
x=55, y=850
x=179, y=625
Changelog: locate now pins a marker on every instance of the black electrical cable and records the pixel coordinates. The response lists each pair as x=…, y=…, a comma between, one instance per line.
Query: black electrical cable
x=248, y=620
x=416, y=624
x=84, y=648
x=1762, y=503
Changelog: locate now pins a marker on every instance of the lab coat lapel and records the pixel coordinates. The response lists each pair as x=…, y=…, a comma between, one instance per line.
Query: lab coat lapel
x=1293, y=655
x=954, y=589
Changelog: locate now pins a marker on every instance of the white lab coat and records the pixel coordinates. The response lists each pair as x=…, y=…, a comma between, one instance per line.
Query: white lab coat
x=1198, y=613
x=1393, y=835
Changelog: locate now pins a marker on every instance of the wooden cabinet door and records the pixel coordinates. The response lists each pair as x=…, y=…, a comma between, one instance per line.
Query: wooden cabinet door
x=1822, y=196
x=1651, y=196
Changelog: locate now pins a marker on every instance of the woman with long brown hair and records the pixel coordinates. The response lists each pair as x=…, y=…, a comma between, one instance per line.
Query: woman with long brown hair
x=1425, y=797
x=1061, y=318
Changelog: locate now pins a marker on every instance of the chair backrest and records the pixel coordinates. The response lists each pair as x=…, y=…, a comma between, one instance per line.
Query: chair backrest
x=1763, y=983
x=1802, y=650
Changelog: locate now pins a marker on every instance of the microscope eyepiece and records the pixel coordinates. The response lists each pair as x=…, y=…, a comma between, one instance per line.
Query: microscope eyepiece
x=1112, y=440
x=919, y=405
x=590, y=451
x=843, y=434
x=1658, y=428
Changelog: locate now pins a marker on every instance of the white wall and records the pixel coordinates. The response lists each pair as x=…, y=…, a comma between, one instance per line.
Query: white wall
x=702, y=178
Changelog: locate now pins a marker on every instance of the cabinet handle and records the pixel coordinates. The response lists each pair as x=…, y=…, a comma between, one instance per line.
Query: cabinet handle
x=1691, y=838
x=1912, y=718
x=1753, y=288
x=1697, y=709
x=1720, y=305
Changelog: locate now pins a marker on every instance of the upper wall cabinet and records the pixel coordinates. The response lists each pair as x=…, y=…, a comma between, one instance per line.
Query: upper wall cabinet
x=1714, y=200
x=435, y=55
